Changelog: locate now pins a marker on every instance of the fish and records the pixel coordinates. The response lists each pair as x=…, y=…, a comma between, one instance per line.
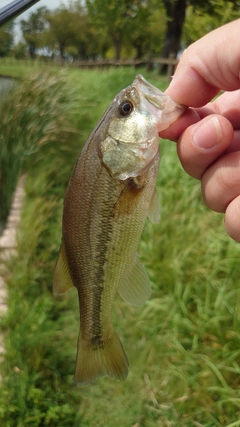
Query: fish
x=110, y=194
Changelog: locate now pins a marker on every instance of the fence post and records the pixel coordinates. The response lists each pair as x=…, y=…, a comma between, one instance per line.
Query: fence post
x=171, y=66
x=150, y=65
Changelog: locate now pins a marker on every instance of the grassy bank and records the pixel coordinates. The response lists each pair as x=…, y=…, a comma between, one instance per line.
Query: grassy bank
x=183, y=344
x=21, y=69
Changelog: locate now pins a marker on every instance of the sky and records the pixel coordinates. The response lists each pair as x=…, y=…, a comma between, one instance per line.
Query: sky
x=50, y=4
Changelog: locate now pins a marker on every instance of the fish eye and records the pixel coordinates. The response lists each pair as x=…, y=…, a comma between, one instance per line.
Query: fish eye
x=125, y=108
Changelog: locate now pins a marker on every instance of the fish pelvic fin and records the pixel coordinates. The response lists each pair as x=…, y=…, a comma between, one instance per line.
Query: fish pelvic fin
x=62, y=280
x=107, y=359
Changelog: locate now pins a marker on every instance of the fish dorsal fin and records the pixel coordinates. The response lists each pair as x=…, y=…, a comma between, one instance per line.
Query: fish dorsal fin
x=62, y=280
x=154, y=209
x=135, y=287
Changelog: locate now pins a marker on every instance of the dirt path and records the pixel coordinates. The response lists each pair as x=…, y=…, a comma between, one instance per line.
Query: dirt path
x=8, y=242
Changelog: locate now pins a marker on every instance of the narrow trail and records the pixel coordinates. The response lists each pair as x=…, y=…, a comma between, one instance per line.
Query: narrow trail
x=8, y=243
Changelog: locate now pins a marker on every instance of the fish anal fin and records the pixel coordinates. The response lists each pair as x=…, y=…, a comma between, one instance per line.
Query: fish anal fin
x=62, y=281
x=154, y=209
x=135, y=287
x=109, y=359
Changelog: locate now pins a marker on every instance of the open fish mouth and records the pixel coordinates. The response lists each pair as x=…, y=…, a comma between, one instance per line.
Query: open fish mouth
x=170, y=111
x=153, y=95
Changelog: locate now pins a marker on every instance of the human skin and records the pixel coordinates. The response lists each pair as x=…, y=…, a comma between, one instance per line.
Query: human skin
x=208, y=134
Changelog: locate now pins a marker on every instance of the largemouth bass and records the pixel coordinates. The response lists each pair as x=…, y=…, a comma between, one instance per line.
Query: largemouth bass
x=109, y=196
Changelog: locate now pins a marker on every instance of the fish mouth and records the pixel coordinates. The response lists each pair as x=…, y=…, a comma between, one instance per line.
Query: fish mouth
x=170, y=110
x=152, y=94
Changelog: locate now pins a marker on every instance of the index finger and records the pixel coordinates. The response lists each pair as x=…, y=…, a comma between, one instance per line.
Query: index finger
x=227, y=104
x=207, y=66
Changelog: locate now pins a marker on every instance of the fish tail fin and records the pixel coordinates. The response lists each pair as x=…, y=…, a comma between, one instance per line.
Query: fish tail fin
x=107, y=359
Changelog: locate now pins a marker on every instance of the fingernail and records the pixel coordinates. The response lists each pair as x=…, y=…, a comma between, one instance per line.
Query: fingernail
x=208, y=134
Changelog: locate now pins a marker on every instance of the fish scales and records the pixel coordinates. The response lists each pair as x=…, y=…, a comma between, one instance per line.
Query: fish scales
x=109, y=196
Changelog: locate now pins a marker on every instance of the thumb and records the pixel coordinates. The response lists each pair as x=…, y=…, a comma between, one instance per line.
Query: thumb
x=202, y=143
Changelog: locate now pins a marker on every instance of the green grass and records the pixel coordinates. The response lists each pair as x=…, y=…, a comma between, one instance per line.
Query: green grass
x=33, y=115
x=183, y=344
x=22, y=69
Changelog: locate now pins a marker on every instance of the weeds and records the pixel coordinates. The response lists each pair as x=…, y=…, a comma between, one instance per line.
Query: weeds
x=33, y=115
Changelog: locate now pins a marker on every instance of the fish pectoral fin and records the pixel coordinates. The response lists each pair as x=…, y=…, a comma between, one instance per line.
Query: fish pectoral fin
x=62, y=280
x=154, y=209
x=135, y=287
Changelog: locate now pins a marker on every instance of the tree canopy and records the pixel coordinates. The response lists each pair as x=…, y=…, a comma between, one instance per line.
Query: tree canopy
x=6, y=39
x=33, y=28
x=115, y=28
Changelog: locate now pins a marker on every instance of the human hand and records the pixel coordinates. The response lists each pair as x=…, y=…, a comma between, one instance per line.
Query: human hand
x=208, y=134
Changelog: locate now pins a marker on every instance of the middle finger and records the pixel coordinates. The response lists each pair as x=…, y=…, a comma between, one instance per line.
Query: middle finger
x=221, y=182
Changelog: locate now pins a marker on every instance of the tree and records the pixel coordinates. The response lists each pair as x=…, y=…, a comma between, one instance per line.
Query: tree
x=117, y=17
x=6, y=39
x=147, y=29
x=176, y=13
x=33, y=29
x=157, y=30
x=61, y=30
x=19, y=51
x=71, y=33
x=138, y=35
x=199, y=21
x=87, y=39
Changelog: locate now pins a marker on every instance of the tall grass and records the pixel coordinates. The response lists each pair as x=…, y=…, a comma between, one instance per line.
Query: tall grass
x=33, y=114
x=183, y=344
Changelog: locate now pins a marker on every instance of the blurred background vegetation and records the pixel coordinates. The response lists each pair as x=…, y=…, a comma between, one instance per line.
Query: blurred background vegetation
x=96, y=29
x=184, y=343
